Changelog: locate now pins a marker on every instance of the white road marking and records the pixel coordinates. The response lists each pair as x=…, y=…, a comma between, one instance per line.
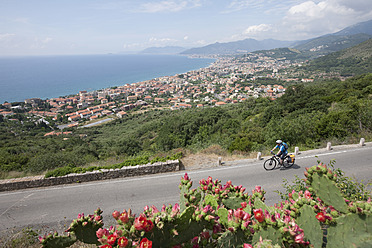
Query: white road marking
x=250, y=164
x=21, y=200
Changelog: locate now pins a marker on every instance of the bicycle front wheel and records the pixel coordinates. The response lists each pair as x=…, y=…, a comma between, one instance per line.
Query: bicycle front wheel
x=288, y=162
x=269, y=164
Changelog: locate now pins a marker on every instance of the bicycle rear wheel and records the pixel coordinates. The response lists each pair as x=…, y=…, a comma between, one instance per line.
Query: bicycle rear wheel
x=288, y=161
x=269, y=164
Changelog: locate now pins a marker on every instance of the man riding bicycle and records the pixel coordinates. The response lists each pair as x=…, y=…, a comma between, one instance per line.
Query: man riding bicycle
x=283, y=150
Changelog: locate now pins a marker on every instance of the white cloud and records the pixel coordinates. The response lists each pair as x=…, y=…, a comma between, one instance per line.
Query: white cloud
x=40, y=43
x=46, y=40
x=266, y=6
x=238, y=5
x=161, y=42
x=4, y=37
x=169, y=6
x=256, y=29
x=310, y=19
x=302, y=19
x=201, y=42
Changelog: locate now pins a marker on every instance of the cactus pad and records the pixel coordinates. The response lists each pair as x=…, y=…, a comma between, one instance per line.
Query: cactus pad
x=260, y=204
x=352, y=230
x=311, y=226
x=56, y=241
x=232, y=202
x=223, y=214
x=269, y=233
x=328, y=192
x=232, y=240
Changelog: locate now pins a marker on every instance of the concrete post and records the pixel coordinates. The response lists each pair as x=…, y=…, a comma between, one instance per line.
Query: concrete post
x=297, y=150
x=329, y=146
x=361, y=143
x=259, y=154
x=219, y=161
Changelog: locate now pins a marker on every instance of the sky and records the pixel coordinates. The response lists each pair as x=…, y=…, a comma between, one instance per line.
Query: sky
x=64, y=27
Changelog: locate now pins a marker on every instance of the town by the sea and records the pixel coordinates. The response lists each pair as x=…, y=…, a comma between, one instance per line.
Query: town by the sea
x=48, y=77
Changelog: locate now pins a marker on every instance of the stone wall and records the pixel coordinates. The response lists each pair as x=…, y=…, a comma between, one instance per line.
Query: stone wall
x=128, y=171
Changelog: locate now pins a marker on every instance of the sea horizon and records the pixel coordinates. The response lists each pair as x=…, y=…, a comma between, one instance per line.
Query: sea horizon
x=52, y=76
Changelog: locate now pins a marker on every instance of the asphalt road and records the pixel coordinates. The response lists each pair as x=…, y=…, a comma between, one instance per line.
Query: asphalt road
x=53, y=208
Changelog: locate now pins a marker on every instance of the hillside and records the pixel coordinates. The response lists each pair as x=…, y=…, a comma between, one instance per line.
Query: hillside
x=361, y=27
x=348, y=62
x=283, y=53
x=311, y=48
x=236, y=47
x=307, y=116
x=330, y=43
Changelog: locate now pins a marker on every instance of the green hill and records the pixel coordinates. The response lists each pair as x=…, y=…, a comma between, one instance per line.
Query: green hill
x=348, y=62
x=308, y=116
x=330, y=43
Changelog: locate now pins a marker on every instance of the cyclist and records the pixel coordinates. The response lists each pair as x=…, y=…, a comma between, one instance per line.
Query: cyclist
x=283, y=150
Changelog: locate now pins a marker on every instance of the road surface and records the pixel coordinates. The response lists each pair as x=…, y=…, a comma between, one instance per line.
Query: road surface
x=53, y=208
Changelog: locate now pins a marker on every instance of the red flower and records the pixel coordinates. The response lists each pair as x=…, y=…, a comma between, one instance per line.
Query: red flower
x=122, y=242
x=145, y=243
x=105, y=246
x=111, y=239
x=141, y=223
x=116, y=214
x=258, y=214
x=148, y=226
x=124, y=217
x=320, y=216
x=101, y=232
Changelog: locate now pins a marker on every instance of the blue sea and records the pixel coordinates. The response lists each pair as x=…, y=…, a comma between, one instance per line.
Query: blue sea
x=47, y=77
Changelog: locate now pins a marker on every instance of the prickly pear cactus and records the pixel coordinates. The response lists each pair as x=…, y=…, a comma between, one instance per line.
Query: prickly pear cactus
x=260, y=204
x=187, y=226
x=232, y=240
x=212, y=201
x=269, y=233
x=311, y=226
x=321, y=184
x=185, y=195
x=55, y=241
x=223, y=214
x=85, y=227
x=232, y=202
x=352, y=230
x=266, y=244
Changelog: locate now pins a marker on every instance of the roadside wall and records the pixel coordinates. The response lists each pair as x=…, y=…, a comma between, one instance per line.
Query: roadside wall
x=127, y=171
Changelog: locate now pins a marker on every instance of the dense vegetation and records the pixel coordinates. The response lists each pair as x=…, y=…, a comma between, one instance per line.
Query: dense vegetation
x=308, y=115
x=348, y=62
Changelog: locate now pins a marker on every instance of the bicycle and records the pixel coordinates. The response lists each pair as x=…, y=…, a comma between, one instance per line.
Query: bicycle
x=271, y=163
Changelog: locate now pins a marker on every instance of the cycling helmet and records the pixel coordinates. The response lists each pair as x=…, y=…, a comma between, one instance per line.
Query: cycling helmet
x=278, y=141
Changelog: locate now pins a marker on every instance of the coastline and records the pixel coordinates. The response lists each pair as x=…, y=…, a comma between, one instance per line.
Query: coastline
x=70, y=80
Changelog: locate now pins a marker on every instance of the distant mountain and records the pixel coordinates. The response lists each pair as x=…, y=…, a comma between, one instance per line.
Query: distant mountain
x=283, y=54
x=362, y=27
x=352, y=61
x=311, y=48
x=236, y=47
x=330, y=43
x=164, y=50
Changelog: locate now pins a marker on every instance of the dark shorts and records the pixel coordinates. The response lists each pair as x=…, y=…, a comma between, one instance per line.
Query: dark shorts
x=282, y=156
